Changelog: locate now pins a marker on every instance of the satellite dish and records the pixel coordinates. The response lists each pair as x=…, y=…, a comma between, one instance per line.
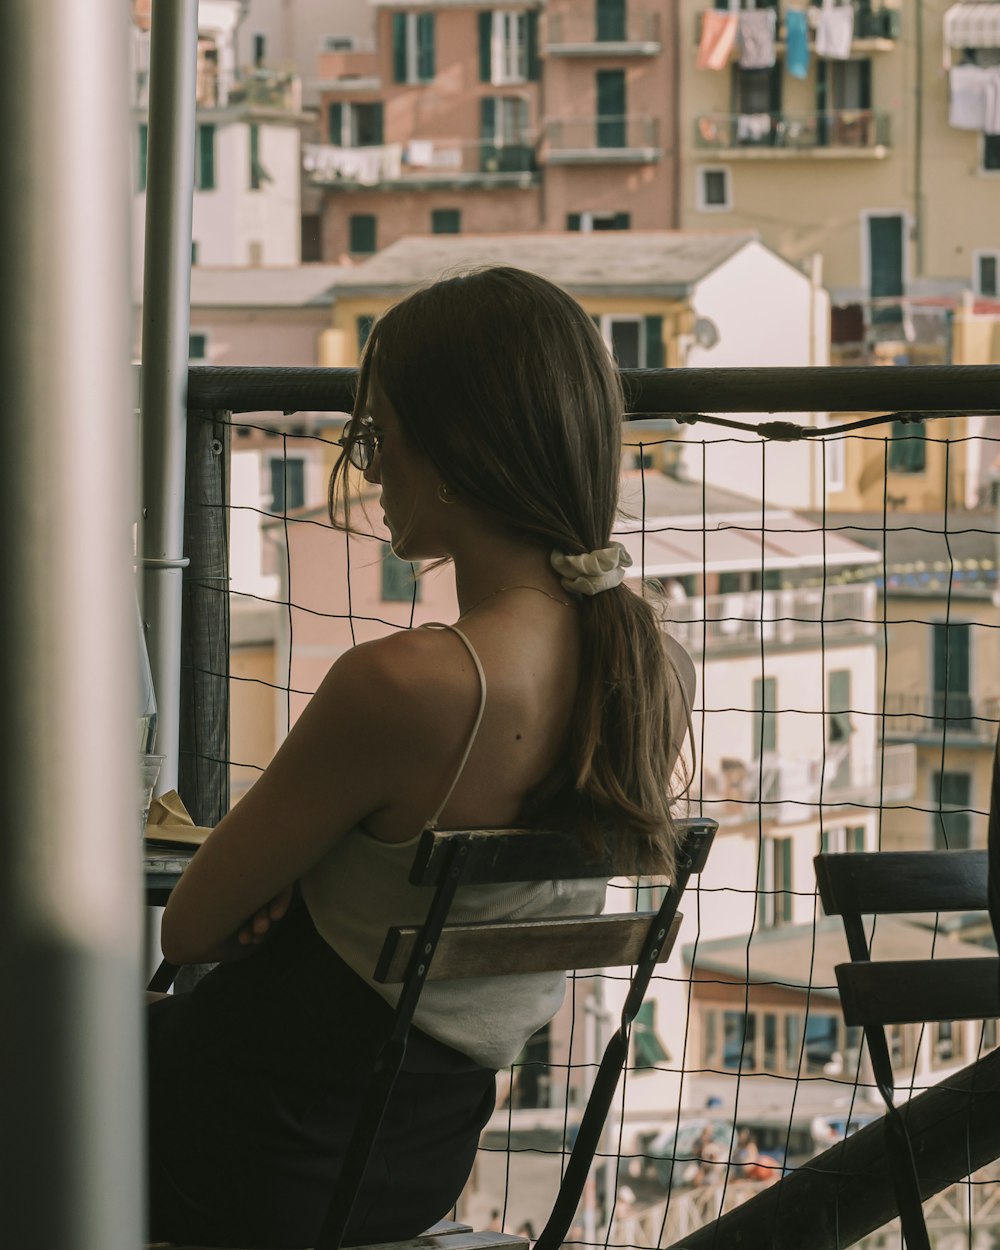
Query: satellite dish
x=706, y=332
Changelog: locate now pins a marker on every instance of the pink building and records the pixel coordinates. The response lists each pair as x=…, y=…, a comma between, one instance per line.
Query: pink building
x=482, y=119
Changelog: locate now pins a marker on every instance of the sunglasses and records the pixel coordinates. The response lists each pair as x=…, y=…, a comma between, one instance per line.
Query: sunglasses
x=360, y=442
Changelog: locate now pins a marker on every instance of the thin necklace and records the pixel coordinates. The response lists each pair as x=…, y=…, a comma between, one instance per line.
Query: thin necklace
x=562, y=602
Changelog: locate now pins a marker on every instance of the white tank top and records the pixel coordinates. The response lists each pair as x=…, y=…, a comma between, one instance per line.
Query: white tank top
x=361, y=886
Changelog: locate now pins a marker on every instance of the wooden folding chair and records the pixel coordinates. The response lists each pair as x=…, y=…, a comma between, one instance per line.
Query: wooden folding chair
x=876, y=993
x=449, y=859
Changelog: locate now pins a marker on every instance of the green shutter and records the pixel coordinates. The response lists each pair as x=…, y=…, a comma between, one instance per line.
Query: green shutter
x=255, y=178
x=572, y=221
x=335, y=123
x=362, y=233
x=611, y=108
x=534, y=64
x=907, y=447
x=425, y=47
x=446, y=221
x=610, y=16
x=399, y=580
x=765, y=693
x=623, y=221
x=364, y=325
x=206, y=157
x=653, y=330
x=486, y=45
x=143, y=156
x=378, y=123
x=783, y=899
x=865, y=84
x=399, y=47
x=487, y=118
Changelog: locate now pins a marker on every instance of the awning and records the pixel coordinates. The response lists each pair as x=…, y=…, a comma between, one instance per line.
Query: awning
x=973, y=25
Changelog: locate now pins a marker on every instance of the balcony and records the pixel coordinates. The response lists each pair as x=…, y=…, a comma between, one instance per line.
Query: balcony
x=423, y=164
x=622, y=33
x=876, y=28
x=349, y=69
x=788, y=790
x=927, y=718
x=836, y=134
x=605, y=140
x=778, y=618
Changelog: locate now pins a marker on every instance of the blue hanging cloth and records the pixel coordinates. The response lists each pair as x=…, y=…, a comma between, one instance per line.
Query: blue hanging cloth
x=797, y=39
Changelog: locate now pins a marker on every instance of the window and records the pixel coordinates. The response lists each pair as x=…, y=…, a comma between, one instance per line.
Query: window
x=362, y=232
x=204, y=157
x=838, y=728
x=907, y=448
x=288, y=483
x=714, y=189
x=399, y=578
x=413, y=47
x=885, y=244
x=194, y=252
x=774, y=882
x=820, y=1043
x=503, y=132
x=984, y=278
x=846, y=838
x=446, y=221
x=587, y=222
x=364, y=327
x=610, y=16
x=311, y=237
x=834, y=463
x=757, y=93
x=197, y=346
x=647, y=1049
x=259, y=50
x=951, y=676
x=946, y=1042
x=636, y=342
x=951, y=794
x=991, y=153
x=772, y=1039
x=142, y=157
x=611, y=108
x=258, y=174
x=508, y=46
x=765, y=701
x=356, y=125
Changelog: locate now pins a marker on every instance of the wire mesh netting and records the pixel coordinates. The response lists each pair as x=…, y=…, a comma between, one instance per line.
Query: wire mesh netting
x=838, y=600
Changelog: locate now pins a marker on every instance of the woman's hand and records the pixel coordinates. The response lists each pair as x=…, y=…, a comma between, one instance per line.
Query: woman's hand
x=260, y=923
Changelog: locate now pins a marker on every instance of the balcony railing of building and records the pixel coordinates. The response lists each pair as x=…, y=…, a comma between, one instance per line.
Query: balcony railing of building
x=955, y=713
x=777, y=618
x=602, y=140
x=875, y=25
x=836, y=132
x=604, y=32
x=424, y=162
x=257, y=88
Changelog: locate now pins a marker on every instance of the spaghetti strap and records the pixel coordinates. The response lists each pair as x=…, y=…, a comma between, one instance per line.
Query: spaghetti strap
x=432, y=823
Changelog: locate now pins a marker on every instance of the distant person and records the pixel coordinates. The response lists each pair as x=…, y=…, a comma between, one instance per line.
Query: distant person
x=752, y=1164
x=489, y=418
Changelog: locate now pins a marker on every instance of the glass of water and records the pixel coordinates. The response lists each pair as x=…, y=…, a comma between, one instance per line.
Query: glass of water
x=149, y=771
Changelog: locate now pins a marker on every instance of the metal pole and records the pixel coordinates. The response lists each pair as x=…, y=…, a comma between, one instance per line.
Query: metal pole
x=70, y=899
x=165, y=324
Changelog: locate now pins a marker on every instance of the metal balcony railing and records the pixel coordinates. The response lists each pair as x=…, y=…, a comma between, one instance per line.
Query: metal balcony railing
x=583, y=30
x=848, y=129
x=954, y=712
x=778, y=618
x=420, y=161
x=599, y=137
x=870, y=21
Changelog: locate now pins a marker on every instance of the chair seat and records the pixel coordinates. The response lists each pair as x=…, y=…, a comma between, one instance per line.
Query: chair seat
x=444, y=1236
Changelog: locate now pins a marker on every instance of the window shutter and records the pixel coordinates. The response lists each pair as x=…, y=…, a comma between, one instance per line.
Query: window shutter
x=364, y=325
x=623, y=221
x=143, y=150
x=425, y=47
x=783, y=901
x=362, y=233
x=206, y=157
x=399, y=47
x=487, y=118
x=378, y=130
x=865, y=84
x=653, y=328
x=486, y=45
x=572, y=221
x=531, y=28
x=335, y=123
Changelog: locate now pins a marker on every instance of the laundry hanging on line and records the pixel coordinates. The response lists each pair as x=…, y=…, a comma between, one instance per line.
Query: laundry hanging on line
x=757, y=34
x=718, y=38
x=834, y=31
x=797, y=41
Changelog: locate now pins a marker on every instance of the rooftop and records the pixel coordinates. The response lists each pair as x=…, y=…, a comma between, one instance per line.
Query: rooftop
x=662, y=264
x=302, y=286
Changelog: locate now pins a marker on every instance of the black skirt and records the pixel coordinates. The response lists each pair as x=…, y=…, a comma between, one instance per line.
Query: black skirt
x=255, y=1079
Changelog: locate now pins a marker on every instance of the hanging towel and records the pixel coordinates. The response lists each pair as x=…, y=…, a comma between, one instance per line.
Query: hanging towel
x=797, y=38
x=967, y=105
x=718, y=36
x=757, y=30
x=834, y=31
x=753, y=127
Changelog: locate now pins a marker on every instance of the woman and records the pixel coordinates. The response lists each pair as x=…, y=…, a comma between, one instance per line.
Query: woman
x=489, y=414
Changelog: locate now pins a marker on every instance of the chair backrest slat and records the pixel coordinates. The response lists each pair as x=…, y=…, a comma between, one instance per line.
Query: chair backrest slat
x=478, y=950
x=913, y=991
x=887, y=882
x=494, y=856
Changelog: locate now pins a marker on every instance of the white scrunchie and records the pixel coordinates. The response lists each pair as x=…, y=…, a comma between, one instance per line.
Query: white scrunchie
x=592, y=572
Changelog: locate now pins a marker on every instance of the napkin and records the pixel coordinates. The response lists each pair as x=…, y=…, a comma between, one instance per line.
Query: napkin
x=169, y=821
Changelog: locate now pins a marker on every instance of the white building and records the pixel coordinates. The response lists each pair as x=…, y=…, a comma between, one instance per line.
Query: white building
x=247, y=177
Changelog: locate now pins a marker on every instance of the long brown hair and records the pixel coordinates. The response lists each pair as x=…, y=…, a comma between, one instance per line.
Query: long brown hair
x=502, y=380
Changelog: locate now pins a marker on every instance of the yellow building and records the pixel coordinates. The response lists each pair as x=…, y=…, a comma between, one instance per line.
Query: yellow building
x=873, y=155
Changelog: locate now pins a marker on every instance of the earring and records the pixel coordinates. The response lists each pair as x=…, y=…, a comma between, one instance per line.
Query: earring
x=444, y=494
